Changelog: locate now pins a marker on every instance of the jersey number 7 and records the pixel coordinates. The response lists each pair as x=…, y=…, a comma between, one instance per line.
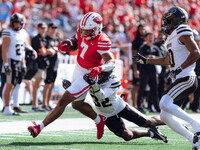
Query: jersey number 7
x=85, y=48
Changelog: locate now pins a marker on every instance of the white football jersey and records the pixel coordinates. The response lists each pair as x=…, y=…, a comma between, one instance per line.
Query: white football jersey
x=112, y=103
x=17, y=43
x=177, y=51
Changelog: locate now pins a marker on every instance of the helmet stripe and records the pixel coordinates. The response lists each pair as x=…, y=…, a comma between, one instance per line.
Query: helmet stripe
x=86, y=18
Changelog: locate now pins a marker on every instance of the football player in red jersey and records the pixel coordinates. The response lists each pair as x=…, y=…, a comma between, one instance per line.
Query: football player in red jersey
x=93, y=48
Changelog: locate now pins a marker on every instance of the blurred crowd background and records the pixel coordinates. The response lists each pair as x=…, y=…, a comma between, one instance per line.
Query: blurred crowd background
x=118, y=15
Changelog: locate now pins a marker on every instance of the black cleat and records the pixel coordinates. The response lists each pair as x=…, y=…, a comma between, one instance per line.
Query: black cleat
x=196, y=141
x=19, y=110
x=157, y=134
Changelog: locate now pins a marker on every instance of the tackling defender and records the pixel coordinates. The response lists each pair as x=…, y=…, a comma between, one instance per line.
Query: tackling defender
x=182, y=54
x=109, y=104
x=93, y=45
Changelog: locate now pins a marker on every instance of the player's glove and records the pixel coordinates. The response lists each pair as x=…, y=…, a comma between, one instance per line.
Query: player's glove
x=32, y=54
x=89, y=80
x=23, y=71
x=29, y=53
x=92, y=83
x=140, y=59
x=66, y=84
x=95, y=71
x=7, y=68
x=65, y=46
x=174, y=73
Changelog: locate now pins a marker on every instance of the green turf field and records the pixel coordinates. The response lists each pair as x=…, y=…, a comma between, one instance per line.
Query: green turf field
x=82, y=139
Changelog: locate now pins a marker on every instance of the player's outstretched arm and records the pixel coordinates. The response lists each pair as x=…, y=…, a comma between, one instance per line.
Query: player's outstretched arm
x=159, y=61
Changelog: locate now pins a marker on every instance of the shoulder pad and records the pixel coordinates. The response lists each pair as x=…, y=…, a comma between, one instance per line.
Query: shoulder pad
x=115, y=82
x=183, y=30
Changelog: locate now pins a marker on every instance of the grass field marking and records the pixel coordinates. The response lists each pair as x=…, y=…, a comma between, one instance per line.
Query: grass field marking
x=38, y=147
x=6, y=138
x=8, y=135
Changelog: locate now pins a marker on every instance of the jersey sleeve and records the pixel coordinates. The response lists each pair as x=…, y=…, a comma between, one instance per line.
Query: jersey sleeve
x=6, y=33
x=115, y=82
x=103, y=45
x=184, y=30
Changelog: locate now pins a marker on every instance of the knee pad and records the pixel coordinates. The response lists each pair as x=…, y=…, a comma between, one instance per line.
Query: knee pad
x=165, y=102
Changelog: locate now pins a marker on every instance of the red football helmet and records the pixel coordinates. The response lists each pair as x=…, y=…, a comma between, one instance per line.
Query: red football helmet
x=91, y=25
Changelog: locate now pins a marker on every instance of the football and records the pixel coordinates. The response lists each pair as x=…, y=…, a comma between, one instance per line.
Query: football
x=74, y=44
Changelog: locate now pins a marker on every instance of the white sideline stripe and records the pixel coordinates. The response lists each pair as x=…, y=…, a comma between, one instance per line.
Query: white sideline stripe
x=15, y=135
x=58, y=125
x=6, y=138
x=62, y=125
x=38, y=147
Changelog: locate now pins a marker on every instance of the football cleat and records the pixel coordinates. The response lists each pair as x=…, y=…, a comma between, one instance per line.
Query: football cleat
x=100, y=127
x=194, y=148
x=19, y=110
x=196, y=141
x=157, y=134
x=34, y=130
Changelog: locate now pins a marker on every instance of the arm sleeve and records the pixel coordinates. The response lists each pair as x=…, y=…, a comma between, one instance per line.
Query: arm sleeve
x=103, y=46
x=6, y=33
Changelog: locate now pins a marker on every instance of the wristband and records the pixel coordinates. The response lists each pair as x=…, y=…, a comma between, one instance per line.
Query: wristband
x=95, y=87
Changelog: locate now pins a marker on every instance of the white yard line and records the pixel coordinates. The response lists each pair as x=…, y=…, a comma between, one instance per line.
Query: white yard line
x=58, y=125
x=38, y=147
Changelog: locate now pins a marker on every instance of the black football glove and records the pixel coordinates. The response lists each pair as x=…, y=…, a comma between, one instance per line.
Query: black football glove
x=23, y=71
x=174, y=73
x=66, y=84
x=7, y=68
x=30, y=54
x=140, y=59
x=92, y=83
x=89, y=80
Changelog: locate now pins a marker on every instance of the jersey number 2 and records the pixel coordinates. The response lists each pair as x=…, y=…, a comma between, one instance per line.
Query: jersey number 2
x=103, y=103
x=18, y=49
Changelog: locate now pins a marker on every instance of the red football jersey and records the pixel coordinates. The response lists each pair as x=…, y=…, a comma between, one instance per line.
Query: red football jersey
x=89, y=50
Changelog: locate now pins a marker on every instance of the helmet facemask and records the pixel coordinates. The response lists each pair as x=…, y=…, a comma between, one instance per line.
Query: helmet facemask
x=87, y=34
